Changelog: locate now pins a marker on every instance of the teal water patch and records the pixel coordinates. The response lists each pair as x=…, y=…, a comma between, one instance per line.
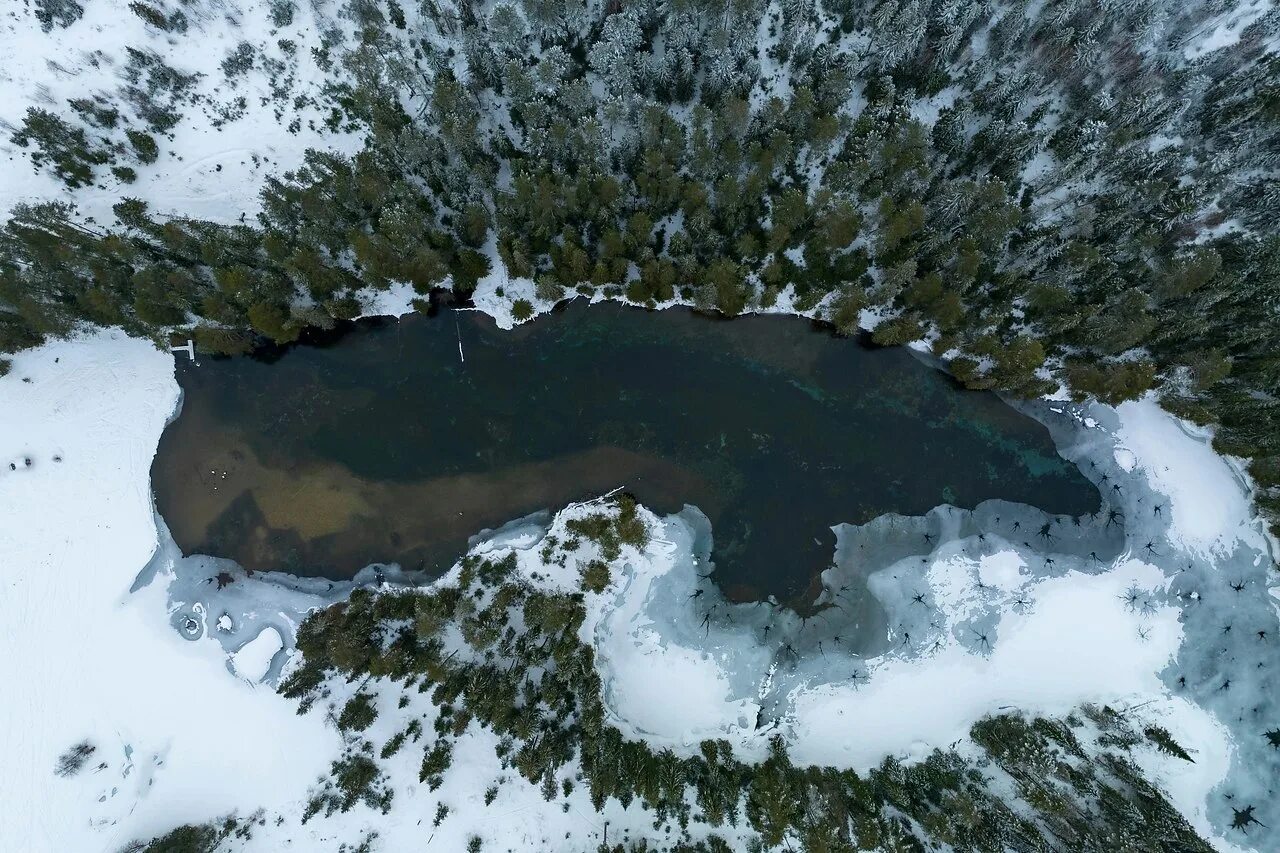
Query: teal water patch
x=1039, y=464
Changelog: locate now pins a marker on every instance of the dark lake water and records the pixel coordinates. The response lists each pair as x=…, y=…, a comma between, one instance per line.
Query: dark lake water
x=384, y=445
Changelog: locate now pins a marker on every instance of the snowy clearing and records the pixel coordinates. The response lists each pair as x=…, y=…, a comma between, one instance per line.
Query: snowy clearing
x=86, y=659
x=229, y=136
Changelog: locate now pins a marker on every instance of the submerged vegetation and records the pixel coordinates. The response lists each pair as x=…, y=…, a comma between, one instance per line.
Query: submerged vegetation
x=1048, y=193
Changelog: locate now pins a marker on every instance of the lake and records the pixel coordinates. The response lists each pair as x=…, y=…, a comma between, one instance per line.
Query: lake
x=396, y=441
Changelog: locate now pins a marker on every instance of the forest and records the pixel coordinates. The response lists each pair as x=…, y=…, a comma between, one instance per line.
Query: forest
x=1049, y=194
x=497, y=650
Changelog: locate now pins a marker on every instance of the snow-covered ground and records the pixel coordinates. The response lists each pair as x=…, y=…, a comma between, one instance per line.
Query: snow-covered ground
x=84, y=657
x=113, y=638
x=1224, y=29
x=212, y=163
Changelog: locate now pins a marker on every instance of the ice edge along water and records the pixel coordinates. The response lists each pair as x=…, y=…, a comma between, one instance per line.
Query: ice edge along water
x=112, y=636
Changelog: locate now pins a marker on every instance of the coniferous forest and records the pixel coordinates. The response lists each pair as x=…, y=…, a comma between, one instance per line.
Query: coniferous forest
x=1059, y=193
x=1055, y=197
x=524, y=673
x=499, y=650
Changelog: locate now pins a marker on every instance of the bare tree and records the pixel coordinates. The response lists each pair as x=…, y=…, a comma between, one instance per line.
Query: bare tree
x=72, y=761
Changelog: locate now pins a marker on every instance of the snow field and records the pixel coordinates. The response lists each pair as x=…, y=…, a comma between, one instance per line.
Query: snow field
x=81, y=657
x=209, y=169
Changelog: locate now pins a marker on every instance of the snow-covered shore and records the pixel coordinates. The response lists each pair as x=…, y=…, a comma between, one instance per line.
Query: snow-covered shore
x=100, y=612
x=82, y=657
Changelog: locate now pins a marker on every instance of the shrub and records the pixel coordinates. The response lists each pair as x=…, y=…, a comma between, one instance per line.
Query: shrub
x=63, y=146
x=281, y=13
x=595, y=576
x=73, y=759
x=1164, y=741
x=846, y=311
x=57, y=13
x=1111, y=383
x=358, y=714
x=219, y=341
x=144, y=145
x=238, y=61
x=630, y=527
x=176, y=23
x=895, y=332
